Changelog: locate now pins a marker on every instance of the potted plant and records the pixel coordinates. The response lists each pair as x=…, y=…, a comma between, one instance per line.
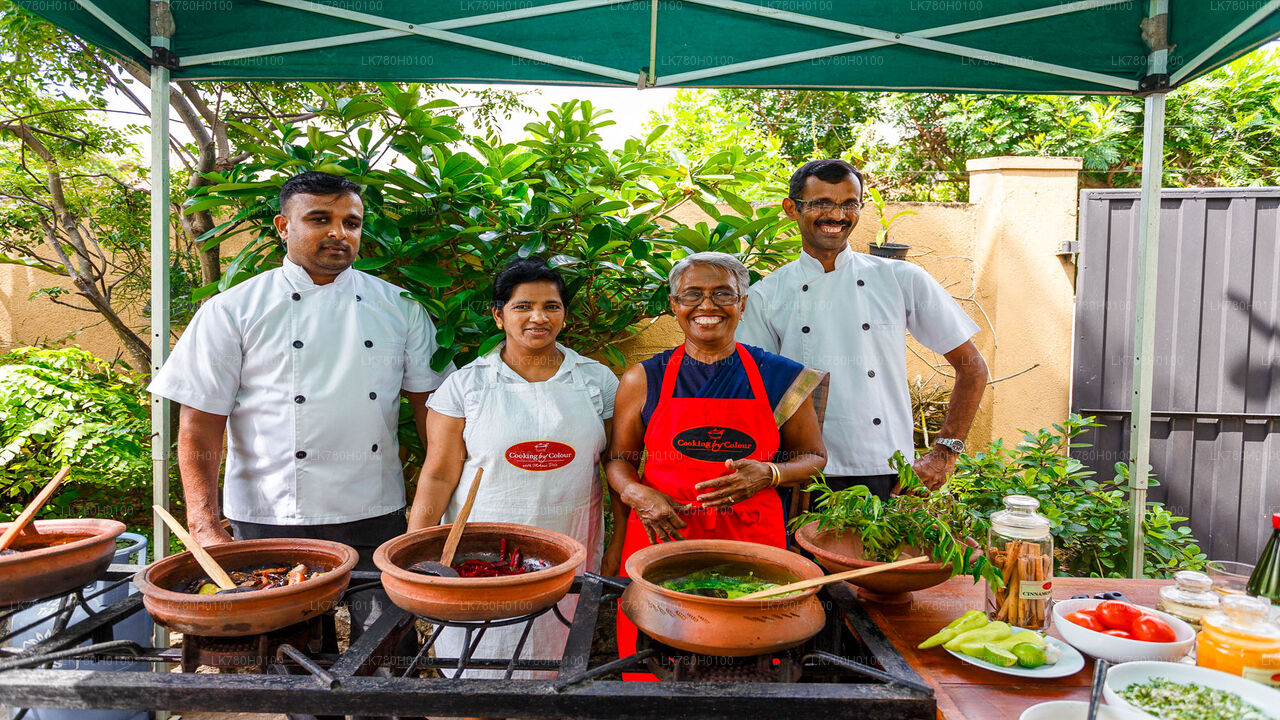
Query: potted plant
x=882, y=247
x=852, y=528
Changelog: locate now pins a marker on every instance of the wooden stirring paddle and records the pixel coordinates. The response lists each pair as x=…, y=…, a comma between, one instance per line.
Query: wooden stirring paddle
x=828, y=579
x=444, y=568
x=455, y=532
x=202, y=556
x=32, y=508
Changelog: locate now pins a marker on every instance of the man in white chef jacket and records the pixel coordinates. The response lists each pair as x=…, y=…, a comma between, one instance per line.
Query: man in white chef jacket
x=303, y=367
x=848, y=313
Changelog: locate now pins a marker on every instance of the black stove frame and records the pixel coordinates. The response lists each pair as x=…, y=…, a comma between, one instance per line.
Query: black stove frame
x=858, y=675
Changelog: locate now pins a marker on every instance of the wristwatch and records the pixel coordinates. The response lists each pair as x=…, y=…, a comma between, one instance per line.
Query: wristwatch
x=953, y=444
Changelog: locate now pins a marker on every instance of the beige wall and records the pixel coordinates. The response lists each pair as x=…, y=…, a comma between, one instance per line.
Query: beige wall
x=27, y=322
x=996, y=255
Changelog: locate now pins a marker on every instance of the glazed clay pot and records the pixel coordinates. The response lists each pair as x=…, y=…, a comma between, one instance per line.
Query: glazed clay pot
x=56, y=556
x=248, y=613
x=719, y=626
x=839, y=551
x=480, y=598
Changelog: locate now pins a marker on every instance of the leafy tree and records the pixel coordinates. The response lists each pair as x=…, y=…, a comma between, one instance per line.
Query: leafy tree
x=1221, y=130
x=445, y=211
x=75, y=200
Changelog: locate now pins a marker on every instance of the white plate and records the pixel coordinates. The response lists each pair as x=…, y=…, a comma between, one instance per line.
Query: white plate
x=1070, y=664
x=1076, y=710
x=1122, y=676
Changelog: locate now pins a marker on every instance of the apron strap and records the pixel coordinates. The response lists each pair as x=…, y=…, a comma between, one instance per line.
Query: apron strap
x=669, y=374
x=753, y=375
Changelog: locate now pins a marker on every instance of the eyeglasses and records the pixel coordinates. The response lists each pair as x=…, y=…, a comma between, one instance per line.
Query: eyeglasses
x=822, y=207
x=693, y=298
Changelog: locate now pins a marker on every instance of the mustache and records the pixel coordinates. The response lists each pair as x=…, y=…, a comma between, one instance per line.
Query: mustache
x=842, y=223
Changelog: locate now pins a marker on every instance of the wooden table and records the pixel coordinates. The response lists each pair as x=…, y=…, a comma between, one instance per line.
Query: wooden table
x=965, y=691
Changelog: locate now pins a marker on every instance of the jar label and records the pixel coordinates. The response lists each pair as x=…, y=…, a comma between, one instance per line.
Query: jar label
x=1035, y=589
x=1267, y=676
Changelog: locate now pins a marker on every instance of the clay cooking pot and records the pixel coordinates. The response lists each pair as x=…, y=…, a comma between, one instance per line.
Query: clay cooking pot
x=719, y=626
x=838, y=551
x=248, y=613
x=465, y=599
x=56, y=556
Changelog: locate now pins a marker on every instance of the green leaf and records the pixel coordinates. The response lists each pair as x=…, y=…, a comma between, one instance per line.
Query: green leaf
x=427, y=275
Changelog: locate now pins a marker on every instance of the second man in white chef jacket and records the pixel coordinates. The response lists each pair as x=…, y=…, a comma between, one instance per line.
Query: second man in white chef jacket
x=848, y=313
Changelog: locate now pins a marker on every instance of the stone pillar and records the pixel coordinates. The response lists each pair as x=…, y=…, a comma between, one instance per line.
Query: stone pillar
x=1026, y=209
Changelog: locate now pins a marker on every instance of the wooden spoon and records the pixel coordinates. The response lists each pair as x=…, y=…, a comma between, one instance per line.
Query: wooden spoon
x=202, y=556
x=444, y=568
x=455, y=532
x=32, y=507
x=828, y=579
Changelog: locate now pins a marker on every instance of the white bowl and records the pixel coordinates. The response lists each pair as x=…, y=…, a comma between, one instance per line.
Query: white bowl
x=1122, y=676
x=1120, y=650
x=1077, y=710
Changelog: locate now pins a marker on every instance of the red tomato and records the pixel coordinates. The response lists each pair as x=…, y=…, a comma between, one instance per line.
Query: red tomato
x=1084, y=620
x=1119, y=634
x=1150, y=628
x=1118, y=615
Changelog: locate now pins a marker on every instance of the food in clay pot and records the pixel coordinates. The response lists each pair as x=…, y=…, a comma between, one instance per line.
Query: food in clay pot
x=263, y=578
x=509, y=560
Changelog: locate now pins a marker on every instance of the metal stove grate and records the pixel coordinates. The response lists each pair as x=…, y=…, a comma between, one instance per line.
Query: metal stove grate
x=849, y=671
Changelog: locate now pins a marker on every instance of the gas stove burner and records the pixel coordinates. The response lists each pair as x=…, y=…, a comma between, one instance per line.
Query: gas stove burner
x=670, y=664
x=249, y=651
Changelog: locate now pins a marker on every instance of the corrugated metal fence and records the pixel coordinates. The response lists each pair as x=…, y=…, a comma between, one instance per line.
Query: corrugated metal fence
x=1216, y=422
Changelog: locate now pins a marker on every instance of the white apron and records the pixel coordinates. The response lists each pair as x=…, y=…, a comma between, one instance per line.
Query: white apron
x=522, y=438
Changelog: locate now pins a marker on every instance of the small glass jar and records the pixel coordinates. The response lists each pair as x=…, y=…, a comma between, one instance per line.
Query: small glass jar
x=1240, y=639
x=1189, y=597
x=1020, y=545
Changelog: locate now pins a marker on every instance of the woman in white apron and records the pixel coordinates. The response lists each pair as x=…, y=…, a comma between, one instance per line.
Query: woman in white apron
x=536, y=416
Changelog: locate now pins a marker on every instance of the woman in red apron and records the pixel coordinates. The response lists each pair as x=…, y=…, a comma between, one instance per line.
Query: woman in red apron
x=714, y=442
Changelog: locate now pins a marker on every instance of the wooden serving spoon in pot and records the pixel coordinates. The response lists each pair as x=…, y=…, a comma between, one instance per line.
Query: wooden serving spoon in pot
x=32, y=508
x=444, y=567
x=202, y=556
x=828, y=579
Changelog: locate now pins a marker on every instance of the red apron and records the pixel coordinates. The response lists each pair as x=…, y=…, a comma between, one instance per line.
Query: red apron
x=687, y=442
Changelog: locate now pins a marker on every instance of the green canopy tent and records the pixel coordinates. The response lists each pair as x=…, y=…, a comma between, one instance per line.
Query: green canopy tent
x=1137, y=47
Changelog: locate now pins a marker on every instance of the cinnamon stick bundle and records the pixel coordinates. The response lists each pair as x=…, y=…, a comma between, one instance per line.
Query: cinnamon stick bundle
x=1022, y=561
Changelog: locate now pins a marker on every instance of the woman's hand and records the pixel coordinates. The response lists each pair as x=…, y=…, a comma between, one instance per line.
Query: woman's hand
x=747, y=478
x=611, y=563
x=657, y=511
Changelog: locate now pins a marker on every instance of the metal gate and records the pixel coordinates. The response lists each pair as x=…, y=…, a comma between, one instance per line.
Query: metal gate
x=1215, y=427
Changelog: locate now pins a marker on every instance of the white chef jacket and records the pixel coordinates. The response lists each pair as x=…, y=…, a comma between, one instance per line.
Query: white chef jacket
x=852, y=322
x=310, y=379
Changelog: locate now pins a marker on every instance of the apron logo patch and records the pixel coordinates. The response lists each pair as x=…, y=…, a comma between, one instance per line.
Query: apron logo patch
x=714, y=444
x=540, y=455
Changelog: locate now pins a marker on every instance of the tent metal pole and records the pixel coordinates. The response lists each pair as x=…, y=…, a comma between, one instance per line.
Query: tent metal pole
x=1144, y=334
x=161, y=409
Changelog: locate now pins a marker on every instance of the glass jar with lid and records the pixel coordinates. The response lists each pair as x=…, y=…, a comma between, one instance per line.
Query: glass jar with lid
x=1189, y=597
x=1238, y=638
x=1020, y=545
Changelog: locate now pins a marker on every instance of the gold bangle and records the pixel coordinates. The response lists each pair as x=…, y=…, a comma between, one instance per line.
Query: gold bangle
x=776, y=480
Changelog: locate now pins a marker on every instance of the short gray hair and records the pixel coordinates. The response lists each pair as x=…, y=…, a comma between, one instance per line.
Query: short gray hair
x=724, y=261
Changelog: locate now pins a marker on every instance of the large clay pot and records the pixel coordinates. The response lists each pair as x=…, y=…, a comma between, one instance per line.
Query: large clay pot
x=839, y=551
x=475, y=599
x=56, y=556
x=248, y=613
x=718, y=626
